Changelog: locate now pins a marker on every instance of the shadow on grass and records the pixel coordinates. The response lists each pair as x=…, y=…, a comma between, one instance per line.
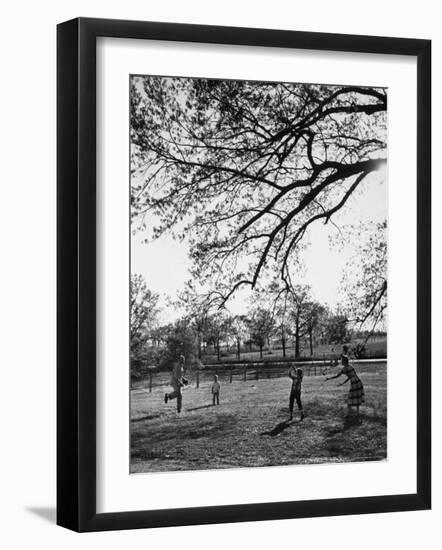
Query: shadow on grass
x=175, y=429
x=353, y=422
x=375, y=419
x=279, y=428
x=349, y=422
x=201, y=407
x=148, y=417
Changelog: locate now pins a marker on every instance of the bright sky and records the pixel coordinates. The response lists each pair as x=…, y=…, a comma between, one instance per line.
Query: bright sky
x=164, y=263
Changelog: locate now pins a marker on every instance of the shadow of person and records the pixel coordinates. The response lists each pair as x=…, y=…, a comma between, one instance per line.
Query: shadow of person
x=349, y=422
x=375, y=419
x=202, y=407
x=148, y=417
x=46, y=513
x=279, y=428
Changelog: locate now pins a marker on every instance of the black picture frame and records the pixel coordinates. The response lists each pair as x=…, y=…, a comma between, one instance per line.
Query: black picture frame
x=77, y=287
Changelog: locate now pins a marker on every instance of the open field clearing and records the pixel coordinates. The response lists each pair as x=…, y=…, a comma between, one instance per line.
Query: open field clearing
x=249, y=428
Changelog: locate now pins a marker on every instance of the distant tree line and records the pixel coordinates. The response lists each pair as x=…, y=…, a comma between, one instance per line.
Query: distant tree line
x=272, y=321
x=242, y=171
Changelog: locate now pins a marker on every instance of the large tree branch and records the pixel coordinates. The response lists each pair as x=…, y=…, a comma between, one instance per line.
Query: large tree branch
x=377, y=300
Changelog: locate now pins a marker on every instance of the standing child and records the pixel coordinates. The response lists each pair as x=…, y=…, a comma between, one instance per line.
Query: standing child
x=215, y=390
x=295, y=394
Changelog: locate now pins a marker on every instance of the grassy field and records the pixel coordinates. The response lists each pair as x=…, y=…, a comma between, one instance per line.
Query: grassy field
x=249, y=428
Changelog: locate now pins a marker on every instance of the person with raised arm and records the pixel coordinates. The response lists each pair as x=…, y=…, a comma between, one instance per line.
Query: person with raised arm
x=356, y=395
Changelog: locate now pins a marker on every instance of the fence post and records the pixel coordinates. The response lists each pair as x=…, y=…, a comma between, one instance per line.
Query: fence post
x=197, y=379
x=230, y=374
x=150, y=381
x=257, y=373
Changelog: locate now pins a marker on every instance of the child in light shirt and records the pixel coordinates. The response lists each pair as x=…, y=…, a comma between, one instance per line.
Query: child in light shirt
x=215, y=390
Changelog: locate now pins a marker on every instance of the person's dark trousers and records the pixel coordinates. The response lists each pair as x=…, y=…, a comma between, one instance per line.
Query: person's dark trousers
x=216, y=398
x=179, y=398
x=295, y=395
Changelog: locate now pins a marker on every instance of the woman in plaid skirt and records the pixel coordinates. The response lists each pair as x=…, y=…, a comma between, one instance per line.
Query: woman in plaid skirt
x=356, y=392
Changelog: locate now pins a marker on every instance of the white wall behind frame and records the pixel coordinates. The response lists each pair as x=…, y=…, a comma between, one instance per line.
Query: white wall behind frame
x=27, y=227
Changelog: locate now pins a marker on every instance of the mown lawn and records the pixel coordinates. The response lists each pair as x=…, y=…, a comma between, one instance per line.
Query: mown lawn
x=249, y=427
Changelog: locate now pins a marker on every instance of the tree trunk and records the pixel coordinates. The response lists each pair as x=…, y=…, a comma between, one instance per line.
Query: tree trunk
x=260, y=351
x=283, y=342
x=218, y=350
x=310, y=334
x=297, y=340
x=238, y=348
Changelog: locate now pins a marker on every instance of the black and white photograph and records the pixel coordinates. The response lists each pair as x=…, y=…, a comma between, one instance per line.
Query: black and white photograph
x=221, y=290
x=258, y=291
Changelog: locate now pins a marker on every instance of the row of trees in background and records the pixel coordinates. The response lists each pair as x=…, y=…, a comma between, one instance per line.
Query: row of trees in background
x=273, y=320
x=273, y=315
x=242, y=171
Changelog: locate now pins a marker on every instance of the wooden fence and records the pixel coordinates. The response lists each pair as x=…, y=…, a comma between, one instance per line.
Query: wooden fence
x=228, y=373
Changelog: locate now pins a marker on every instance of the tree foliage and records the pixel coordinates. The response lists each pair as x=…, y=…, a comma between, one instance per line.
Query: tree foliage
x=238, y=329
x=365, y=282
x=243, y=169
x=315, y=315
x=261, y=324
x=181, y=340
x=336, y=328
x=143, y=311
x=195, y=309
x=217, y=329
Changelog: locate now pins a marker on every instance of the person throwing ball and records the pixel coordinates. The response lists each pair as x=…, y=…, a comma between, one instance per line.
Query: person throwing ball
x=295, y=394
x=356, y=392
x=177, y=382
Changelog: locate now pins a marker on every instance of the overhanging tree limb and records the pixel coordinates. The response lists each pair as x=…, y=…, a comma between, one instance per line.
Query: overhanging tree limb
x=242, y=162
